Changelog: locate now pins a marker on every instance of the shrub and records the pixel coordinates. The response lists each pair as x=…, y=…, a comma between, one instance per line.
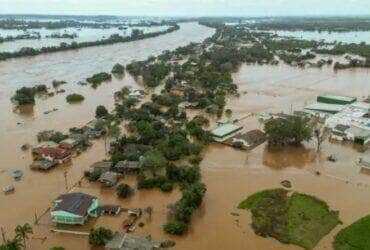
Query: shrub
x=73, y=98
x=99, y=236
x=175, y=227
x=97, y=79
x=118, y=69
x=167, y=187
x=124, y=191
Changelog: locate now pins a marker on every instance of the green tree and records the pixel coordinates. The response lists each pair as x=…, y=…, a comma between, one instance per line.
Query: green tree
x=14, y=244
x=154, y=160
x=22, y=232
x=99, y=236
x=292, y=130
x=124, y=190
x=118, y=69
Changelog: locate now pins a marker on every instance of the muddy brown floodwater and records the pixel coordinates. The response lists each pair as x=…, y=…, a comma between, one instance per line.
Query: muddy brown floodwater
x=230, y=175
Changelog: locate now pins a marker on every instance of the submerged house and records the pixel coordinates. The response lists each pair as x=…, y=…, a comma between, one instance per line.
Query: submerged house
x=127, y=166
x=74, y=208
x=109, y=179
x=131, y=242
x=225, y=131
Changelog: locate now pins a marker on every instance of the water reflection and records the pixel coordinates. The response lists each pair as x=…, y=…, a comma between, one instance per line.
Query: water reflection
x=280, y=158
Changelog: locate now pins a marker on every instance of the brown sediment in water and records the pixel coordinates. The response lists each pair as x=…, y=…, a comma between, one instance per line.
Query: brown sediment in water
x=230, y=175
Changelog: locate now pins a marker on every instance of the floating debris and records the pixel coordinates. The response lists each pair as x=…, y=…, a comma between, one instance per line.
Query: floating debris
x=286, y=184
x=8, y=189
x=17, y=175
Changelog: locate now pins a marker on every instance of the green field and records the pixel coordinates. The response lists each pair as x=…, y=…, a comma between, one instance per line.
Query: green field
x=298, y=219
x=354, y=237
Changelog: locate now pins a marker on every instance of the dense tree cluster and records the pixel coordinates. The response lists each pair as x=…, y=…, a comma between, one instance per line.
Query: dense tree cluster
x=26, y=95
x=292, y=130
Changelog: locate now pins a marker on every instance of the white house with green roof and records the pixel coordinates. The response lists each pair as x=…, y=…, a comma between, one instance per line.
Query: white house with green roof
x=74, y=208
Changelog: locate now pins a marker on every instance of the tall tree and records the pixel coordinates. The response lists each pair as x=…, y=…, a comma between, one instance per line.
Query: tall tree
x=22, y=232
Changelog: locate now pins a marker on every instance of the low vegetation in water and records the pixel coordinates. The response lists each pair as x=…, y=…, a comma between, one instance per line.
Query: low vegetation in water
x=75, y=98
x=100, y=236
x=355, y=236
x=298, y=219
x=98, y=78
x=118, y=69
x=26, y=95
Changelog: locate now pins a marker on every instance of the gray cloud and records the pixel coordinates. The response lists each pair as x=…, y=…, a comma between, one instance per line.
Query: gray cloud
x=189, y=7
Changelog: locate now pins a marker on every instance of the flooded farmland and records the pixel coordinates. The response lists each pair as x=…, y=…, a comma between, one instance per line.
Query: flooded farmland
x=230, y=175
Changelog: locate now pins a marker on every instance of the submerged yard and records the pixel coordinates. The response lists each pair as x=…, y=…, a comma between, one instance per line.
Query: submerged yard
x=298, y=219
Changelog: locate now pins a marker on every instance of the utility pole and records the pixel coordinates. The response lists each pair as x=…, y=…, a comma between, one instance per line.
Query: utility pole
x=66, y=180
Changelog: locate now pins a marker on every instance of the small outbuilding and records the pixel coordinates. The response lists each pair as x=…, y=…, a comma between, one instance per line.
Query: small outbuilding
x=42, y=165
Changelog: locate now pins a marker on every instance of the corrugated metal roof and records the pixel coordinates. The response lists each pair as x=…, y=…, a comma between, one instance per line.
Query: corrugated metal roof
x=225, y=129
x=75, y=203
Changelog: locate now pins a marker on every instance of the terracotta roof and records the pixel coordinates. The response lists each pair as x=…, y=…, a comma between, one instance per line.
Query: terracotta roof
x=56, y=153
x=75, y=203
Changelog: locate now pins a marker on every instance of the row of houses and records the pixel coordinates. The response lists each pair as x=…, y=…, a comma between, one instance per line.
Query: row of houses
x=109, y=174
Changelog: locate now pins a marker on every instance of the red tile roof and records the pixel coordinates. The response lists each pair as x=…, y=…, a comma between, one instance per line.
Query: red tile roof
x=55, y=153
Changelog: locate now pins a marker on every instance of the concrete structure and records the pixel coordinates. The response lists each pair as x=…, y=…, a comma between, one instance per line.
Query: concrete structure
x=74, y=208
x=131, y=242
x=335, y=99
x=225, y=131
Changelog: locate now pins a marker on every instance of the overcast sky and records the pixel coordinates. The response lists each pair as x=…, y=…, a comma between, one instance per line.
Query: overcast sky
x=188, y=7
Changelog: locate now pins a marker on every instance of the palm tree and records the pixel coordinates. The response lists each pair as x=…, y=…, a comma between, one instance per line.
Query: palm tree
x=14, y=244
x=22, y=232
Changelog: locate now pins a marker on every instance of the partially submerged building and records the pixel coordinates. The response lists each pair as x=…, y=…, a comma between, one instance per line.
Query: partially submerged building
x=101, y=167
x=324, y=108
x=131, y=242
x=127, y=166
x=365, y=162
x=74, y=208
x=225, y=131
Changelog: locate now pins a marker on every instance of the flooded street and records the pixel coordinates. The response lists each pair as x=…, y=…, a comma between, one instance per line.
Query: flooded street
x=229, y=174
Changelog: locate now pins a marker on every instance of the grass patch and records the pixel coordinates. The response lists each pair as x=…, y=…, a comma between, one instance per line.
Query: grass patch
x=298, y=219
x=355, y=236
